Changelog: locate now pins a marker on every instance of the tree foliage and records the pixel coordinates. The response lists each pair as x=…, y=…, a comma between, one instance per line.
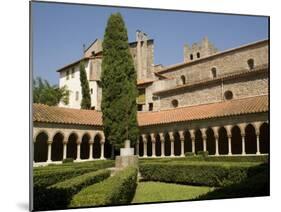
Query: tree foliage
x=86, y=97
x=51, y=95
x=118, y=81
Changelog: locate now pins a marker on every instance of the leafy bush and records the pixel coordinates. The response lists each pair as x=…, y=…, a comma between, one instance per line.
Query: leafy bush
x=209, y=174
x=188, y=154
x=116, y=190
x=68, y=160
x=59, y=195
x=203, y=153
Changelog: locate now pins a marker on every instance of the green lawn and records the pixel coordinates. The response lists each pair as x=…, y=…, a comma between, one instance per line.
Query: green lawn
x=158, y=192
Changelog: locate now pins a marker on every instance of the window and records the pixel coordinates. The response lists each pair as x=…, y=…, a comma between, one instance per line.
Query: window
x=91, y=90
x=175, y=103
x=67, y=74
x=72, y=73
x=93, y=53
x=198, y=54
x=228, y=95
x=139, y=107
x=93, y=108
x=183, y=79
x=214, y=72
x=191, y=57
x=150, y=106
x=251, y=64
x=76, y=95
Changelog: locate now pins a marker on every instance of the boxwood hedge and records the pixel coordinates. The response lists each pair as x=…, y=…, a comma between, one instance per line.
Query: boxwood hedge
x=116, y=190
x=208, y=174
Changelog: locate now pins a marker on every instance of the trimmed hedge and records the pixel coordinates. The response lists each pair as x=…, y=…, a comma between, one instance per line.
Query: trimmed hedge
x=58, y=196
x=116, y=190
x=207, y=174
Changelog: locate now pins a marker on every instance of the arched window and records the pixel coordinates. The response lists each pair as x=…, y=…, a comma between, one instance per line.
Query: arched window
x=198, y=54
x=251, y=64
x=228, y=95
x=175, y=103
x=214, y=72
x=191, y=57
x=183, y=79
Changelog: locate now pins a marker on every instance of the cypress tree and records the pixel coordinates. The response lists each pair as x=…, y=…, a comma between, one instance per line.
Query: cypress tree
x=118, y=80
x=86, y=97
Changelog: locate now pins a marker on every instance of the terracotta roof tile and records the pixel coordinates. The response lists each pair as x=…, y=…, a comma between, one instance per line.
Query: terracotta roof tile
x=47, y=114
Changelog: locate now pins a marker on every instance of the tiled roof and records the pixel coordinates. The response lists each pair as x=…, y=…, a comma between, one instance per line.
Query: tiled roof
x=47, y=114
x=142, y=82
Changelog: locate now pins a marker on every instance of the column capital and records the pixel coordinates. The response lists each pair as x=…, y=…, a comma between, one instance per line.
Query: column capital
x=91, y=141
x=162, y=137
x=78, y=142
x=144, y=138
x=171, y=135
x=242, y=128
x=65, y=142
x=192, y=133
x=49, y=142
x=181, y=134
x=102, y=141
x=257, y=126
x=153, y=137
x=216, y=131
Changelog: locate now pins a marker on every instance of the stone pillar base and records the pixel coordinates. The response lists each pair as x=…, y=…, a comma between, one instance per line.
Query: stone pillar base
x=124, y=161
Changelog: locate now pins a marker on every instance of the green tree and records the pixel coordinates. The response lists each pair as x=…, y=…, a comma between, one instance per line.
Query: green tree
x=86, y=97
x=118, y=80
x=45, y=93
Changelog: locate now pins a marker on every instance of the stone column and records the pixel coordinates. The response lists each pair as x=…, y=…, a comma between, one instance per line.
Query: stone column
x=204, y=137
x=242, y=130
x=257, y=129
x=78, y=150
x=64, y=149
x=153, y=140
x=102, y=150
x=228, y=130
x=91, y=150
x=216, y=135
x=49, y=158
x=172, y=139
x=181, y=133
x=162, y=140
x=192, y=136
x=144, y=139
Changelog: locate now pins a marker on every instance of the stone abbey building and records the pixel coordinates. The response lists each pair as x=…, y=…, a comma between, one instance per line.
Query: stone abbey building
x=213, y=101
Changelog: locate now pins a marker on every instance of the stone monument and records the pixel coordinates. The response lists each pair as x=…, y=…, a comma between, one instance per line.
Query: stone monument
x=127, y=157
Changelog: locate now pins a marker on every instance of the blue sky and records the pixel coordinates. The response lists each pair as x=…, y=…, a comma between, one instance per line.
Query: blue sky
x=60, y=30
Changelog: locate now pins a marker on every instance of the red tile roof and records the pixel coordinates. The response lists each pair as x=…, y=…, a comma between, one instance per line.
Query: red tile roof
x=257, y=104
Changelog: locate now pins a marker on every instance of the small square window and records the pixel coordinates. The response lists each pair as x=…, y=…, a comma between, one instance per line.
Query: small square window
x=150, y=106
x=72, y=73
x=91, y=90
x=76, y=95
x=67, y=75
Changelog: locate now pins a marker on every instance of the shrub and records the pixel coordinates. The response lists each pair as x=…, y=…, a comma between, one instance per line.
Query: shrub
x=188, y=154
x=68, y=160
x=203, y=153
x=208, y=174
x=116, y=190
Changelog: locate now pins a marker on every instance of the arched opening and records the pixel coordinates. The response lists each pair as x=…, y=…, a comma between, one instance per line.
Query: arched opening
x=198, y=54
x=214, y=72
x=183, y=79
x=251, y=64
x=175, y=103
x=223, y=141
x=211, y=141
x=167, y=145
x=191, y=56
x=250, y=140
x=140, y=146
x=187, y=142
x=149, y=146
x=41, y=147
x=107, y=149
x=236, y=140
x=57, y=147
x=96, y=146
x=264, y=138
x=72, y=146
x=198, y=141
x=158, y=146
x=177, y=144
x=84, y=148
x=228, y=95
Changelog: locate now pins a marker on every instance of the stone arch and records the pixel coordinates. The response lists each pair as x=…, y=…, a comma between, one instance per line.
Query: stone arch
x=223, y=141
x=72, y=145
x=97, y=146
x=157, y=145
x=250, y=139
x=149, y=145
x=107, y=149
x=41, y=147
x=57, y=146
x=198, y=141
x=183, y=80
x=140, y=146
x=187, y=142
x=264, y=138
x=251, y=63
x=177, y=144
x=84, y=148
x=211, y=141
x=167, y=144
x=236, y=140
